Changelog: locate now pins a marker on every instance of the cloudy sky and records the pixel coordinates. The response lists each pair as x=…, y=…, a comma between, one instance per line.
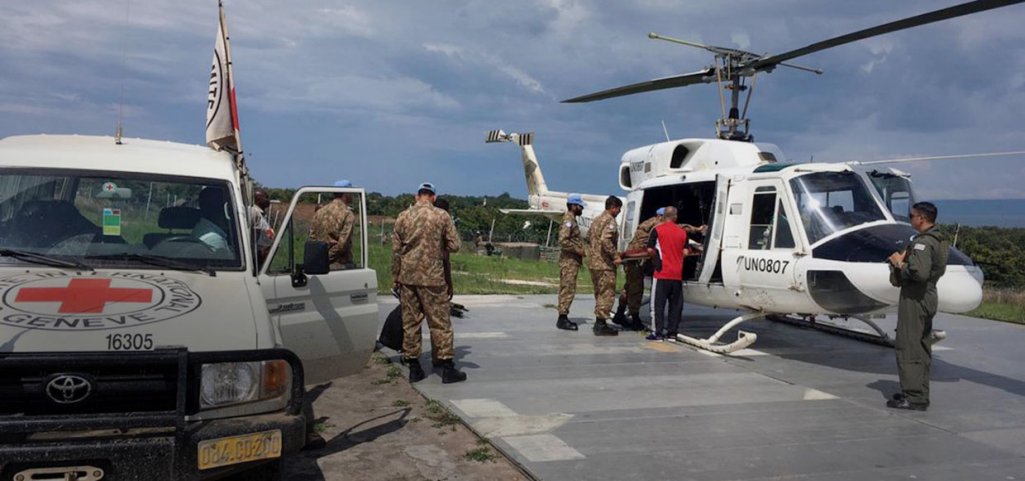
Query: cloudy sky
x=391, y=93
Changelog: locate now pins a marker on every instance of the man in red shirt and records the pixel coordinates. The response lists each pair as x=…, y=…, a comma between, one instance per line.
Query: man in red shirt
x=667, y=245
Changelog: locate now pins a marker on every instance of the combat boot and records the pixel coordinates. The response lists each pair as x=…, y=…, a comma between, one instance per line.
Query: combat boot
x=620, y=316
x=566, y=324
x=602, y=329
x=635, y=323
x=416, y=372
x=449, y=373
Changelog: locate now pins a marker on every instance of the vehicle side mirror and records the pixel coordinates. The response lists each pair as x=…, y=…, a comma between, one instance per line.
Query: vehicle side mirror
x=315, y=259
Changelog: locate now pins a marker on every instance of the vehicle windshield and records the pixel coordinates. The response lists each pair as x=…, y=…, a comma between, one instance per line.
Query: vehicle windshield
x=830, y=202
x=895, y=190
x=118, y=219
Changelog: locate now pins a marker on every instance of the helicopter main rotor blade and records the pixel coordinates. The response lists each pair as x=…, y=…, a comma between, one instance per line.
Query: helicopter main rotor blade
x=768, y=63
x=703, y=76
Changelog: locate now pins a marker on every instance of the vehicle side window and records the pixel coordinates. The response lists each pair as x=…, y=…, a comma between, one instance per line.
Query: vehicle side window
x=335, y=219
x=763, y=208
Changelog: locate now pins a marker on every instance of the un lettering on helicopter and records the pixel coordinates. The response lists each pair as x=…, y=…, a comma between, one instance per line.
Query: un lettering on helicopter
x=785, y=238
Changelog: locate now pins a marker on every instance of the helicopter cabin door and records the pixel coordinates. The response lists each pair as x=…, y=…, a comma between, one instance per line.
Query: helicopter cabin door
x=765, y=265
x=711, y=264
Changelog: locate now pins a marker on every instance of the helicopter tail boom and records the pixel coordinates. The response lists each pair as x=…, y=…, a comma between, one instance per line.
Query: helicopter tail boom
x=536, y=185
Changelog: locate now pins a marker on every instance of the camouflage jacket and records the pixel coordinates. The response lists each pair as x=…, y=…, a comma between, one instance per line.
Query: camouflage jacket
x=423, y=235
x=333, y=224
x=603, y=235
x=640, y=239
x=570, y=241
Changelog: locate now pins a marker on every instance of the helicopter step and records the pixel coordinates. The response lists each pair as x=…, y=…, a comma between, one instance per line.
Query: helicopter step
x=744, y=338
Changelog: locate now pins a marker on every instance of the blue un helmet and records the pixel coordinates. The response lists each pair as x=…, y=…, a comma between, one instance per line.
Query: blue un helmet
x=428, y=187
x=660, y=211
x=343, y=183
x=575, y=199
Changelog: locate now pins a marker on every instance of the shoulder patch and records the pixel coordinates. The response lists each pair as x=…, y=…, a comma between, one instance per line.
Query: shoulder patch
x=612, y=227
x=919, y=247
x=569, y=225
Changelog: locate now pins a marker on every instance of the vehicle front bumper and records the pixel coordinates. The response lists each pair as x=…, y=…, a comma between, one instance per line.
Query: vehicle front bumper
x=155, y=445
x=146, y=455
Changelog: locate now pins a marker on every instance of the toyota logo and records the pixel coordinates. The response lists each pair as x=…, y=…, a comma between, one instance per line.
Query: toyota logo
x=68, y=388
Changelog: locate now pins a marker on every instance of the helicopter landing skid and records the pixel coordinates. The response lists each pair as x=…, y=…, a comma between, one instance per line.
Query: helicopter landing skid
x=744, y=338
x=879, y=338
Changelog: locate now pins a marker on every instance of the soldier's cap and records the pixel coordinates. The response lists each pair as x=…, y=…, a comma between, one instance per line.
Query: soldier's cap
x=575, y=199
x=660, y=211
x=426, y=186
x=343, y=183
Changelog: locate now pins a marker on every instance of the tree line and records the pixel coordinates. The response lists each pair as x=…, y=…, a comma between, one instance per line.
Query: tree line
x=999, y=251
x=473, y=214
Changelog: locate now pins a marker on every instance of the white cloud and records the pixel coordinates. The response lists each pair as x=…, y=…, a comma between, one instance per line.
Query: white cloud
x=482, y=58
x=741, y=39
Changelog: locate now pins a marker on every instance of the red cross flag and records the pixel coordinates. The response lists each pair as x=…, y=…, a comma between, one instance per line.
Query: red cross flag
x=222, y=132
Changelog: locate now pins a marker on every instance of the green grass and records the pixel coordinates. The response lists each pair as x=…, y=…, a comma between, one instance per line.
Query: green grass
x=474, y=274
x=441, y=416
x=999, y=311
x=1007, y=305
x=390, y=375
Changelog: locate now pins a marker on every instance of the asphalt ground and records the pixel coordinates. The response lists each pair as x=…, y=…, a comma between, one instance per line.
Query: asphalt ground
x=798, y=404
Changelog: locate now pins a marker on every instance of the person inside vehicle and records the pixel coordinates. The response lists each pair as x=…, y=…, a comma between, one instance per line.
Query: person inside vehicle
x=212, y=227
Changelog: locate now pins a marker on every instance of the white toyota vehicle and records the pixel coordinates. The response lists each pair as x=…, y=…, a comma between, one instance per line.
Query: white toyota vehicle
x=141, y=334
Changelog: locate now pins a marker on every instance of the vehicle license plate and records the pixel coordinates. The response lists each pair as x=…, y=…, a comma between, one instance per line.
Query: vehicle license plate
x=214, y=453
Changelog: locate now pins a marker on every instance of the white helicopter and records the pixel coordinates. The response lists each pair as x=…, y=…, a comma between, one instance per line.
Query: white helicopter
x=807, y=239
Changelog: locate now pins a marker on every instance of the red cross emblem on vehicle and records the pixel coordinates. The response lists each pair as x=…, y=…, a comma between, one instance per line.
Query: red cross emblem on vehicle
x=84, y=295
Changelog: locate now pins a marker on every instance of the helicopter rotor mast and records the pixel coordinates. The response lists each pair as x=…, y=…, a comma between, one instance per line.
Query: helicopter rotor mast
x=733, y=65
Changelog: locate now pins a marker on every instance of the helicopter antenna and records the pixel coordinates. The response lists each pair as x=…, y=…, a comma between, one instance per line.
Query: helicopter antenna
x=664, y=129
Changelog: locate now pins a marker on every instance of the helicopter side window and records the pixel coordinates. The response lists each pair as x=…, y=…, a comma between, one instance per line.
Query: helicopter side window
x=784, y=236
x=763, y=209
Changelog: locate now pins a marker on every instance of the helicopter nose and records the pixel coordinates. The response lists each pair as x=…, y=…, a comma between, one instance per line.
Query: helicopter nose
x=960, y=289
x=864, y=279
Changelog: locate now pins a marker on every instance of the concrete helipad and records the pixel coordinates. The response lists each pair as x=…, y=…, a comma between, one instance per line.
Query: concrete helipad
x=799, y=404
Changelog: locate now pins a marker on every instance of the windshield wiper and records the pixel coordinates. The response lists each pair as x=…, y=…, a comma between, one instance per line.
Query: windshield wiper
x=43, y=259
x=159, y=261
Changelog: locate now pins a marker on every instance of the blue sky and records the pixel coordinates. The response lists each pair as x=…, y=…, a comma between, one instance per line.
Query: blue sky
x=388, y=93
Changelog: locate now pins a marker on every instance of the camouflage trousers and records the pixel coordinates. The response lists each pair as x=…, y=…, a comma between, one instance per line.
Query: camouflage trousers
x=568, y=270
x=604, y=292
x=430, y=302
x=634, y=288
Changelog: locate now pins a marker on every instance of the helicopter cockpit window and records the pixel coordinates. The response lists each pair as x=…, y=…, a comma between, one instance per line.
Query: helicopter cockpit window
x=833, y=201
x=895, y=190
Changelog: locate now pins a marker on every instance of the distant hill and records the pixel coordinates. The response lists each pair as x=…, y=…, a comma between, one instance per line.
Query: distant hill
x=999, y=212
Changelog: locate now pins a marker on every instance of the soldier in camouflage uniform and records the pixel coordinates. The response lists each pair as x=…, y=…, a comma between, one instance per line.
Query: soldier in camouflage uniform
x=916, y=271
x=423, y=234
x=333, y=224
x=571, y=255
x=634, y=287
x=602, y=262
